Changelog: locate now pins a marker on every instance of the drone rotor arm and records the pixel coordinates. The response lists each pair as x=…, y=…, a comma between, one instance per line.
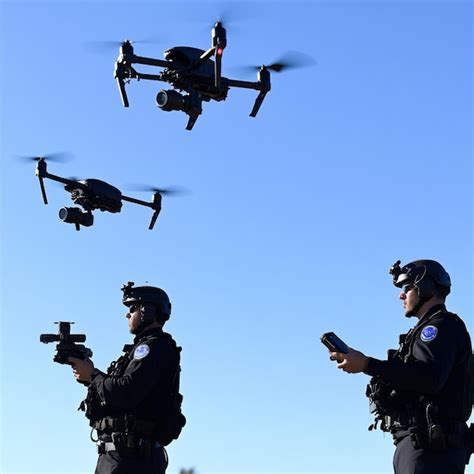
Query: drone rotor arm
x=205, y=56
x=219, y=42
x=155, y=205
x=66, y=181
x=149, y=77
x=137, y=201
x=218, y=67
x=242, y=84
x=152, y=62
x=123, y=71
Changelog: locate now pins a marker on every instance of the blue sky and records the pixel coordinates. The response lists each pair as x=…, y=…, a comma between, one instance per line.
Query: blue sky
x=292, y=222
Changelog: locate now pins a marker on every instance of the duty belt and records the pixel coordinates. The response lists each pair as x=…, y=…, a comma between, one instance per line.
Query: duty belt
x=401, y=421
x=128, y=423
x=453, y=432
x=136, y=447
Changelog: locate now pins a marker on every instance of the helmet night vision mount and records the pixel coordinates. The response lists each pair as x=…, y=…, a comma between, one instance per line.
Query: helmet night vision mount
x=147, y=295
x=425, y=275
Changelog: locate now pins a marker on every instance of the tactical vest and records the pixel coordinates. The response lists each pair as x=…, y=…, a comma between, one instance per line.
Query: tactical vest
x=395, y=408
x=170, y=422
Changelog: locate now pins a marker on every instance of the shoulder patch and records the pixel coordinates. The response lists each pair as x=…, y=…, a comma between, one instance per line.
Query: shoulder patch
x=429, y=333
x=141, y=351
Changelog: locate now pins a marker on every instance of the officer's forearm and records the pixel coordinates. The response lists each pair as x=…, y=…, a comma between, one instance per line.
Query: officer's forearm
x=120, y=392
x=417, y=375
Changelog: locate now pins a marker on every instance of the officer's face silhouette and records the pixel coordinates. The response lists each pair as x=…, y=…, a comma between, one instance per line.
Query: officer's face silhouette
x=133, y=316
x=410, y=298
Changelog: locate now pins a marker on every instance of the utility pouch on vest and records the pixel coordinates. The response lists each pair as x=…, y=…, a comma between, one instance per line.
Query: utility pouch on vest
x=417, y=438
x=144, y=448
x=436, y=438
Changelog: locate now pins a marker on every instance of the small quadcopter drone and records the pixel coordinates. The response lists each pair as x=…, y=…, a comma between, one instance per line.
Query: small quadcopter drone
x=193, y=71
x=92, y=194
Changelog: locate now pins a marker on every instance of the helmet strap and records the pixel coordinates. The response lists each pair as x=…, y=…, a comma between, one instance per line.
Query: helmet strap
x=147, y=313
x=420, y=303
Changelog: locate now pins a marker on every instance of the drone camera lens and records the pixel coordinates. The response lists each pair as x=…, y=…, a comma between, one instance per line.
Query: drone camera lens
x=63, y=214
x=170, y=100
x=74, y=215
x=161, y=99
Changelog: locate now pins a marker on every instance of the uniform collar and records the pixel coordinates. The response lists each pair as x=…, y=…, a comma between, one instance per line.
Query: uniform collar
x=433, y=310
x=146, y=333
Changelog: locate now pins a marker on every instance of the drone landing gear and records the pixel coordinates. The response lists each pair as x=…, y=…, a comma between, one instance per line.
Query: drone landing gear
x=263, y=78
x=157, y=207
x=41, y=172
x=193, y=109
x=191, y=121
x=258, y=103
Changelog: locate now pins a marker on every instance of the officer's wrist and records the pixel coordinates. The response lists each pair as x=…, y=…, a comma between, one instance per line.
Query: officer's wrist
x=366, y=362
x=372, y=366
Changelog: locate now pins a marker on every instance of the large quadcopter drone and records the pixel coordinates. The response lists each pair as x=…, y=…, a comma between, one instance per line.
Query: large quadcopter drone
x=92, y=194
x=191, y=70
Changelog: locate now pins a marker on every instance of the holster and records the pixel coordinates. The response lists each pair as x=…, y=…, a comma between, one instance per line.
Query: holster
x=436, y=438
x=469, y=442
x=439, y=437
x=130, y=445
x=418, y=437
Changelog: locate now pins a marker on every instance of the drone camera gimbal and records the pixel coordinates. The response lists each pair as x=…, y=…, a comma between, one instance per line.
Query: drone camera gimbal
x=75, y=215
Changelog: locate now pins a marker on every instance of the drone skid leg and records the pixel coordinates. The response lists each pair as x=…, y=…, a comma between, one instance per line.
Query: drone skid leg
x=153, y=219
x=41, y=172
x=191, y=121
x=43, y=190
x=258, y=103
x=122, y=91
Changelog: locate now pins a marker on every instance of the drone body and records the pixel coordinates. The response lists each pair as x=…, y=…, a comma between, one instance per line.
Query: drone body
x=192, y=71
x=92, y=194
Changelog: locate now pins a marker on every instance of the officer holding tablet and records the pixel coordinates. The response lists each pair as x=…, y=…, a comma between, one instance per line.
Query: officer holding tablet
x=422, y=393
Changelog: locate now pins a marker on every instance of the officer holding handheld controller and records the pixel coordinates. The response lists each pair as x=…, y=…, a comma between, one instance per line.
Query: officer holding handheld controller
x=135, y=407
x=423, y=393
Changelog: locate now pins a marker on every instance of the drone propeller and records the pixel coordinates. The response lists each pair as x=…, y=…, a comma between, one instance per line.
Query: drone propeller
x=59, y=157
x=108, y=45
x=229, y=13
x=169, y=191
x=290, y=60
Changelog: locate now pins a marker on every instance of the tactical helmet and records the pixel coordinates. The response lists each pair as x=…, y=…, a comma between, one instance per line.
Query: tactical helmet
x=147, y=296
x=425, y=275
